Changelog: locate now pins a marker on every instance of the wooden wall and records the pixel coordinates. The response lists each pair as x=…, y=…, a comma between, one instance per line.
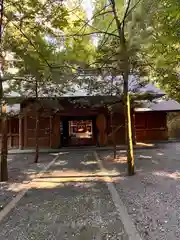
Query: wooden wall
x=49, y=131
x=44, y=132
x=116, y=124
x=151, y=126
x=55, y=132
x=13, y=132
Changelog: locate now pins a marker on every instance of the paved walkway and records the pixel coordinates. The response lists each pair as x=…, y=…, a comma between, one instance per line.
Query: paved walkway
x=152, y=196
x=69, y=201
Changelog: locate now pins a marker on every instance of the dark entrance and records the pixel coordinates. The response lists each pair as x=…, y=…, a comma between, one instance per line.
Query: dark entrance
x=78, y=131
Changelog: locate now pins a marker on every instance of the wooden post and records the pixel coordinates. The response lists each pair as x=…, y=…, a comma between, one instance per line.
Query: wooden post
x=10, y=132
x=20, y=133
x=101, y=123
x=25, y=131
x=50, y=131
x=133, y=127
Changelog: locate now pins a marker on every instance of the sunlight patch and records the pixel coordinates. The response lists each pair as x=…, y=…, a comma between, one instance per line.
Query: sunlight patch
x=145, y=157
x=61, y=163
x=89, y=163
x=160, y=154
x=174, y=175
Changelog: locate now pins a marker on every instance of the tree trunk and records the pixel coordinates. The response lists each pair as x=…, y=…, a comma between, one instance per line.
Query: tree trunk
x=124, y=67
x=37, y=138
x=128, y=129
x=4, y=147
x=4, y=138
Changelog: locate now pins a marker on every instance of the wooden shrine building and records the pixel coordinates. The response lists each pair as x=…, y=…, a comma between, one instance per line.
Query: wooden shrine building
x=76, y=121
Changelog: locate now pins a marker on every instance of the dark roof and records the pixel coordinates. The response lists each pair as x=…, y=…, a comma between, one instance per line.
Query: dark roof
x=159, y=105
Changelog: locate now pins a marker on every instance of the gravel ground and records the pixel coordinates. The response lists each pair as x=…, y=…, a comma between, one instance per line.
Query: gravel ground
x=152, y=196
x=68, y=202
x=20, y=168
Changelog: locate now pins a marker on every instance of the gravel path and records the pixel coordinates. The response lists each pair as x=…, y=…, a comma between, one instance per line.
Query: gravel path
x=152, y=196
x=20, y=168
x=70, y=201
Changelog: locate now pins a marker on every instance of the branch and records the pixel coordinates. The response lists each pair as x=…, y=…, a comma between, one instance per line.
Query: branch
x=31, y=43
x=133, y=7
x=126, y=13
x=105, y=41
x=75, y=8
x=91, y=33
x=113, y=5
x=95, y=15
x=96, y=29
x=1, y=19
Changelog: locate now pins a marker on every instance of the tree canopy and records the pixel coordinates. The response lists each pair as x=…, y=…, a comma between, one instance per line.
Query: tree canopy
x=59, y=44
x=57, y=41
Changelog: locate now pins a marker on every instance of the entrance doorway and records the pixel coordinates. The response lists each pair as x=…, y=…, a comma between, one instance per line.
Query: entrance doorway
x=80, y=132
x=77, y=131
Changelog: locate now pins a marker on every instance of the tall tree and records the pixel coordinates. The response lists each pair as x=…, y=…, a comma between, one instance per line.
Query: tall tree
x=30, y=42
x=163, y=49
x=123, y=34
x=3, y=170
x=120, y=50
x=47, y=62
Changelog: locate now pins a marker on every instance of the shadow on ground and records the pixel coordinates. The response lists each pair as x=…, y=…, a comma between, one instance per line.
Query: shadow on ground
x=21, y=167
x=152, y=195
x=71, y=201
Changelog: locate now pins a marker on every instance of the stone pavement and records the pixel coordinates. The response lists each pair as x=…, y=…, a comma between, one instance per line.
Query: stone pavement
x=69, y=201
x=21, y=168
x=152, y=196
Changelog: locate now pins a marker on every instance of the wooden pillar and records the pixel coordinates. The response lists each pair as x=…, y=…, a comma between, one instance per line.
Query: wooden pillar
x=166, y=127
x=55, y=136
x=50, y=131
x=20, y=133
x=101, y=123
x=133, y=127
x=25, y=131
x=10, y=132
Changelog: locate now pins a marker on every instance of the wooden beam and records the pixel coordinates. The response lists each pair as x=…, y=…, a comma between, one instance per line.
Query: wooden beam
x=20, y=133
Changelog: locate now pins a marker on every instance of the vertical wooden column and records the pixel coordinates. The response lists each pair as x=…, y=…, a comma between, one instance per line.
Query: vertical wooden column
x=20, y=133
x=166, y=127
x=10, y=132
x=101, y=123
x=25, y=131
x=55, y=136
x=50, y=131
x=133, y=127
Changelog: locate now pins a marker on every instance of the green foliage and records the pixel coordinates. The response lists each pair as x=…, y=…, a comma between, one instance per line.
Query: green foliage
x=36, y=32
x=163, y=49
x=152, y=36
x=110, y=52
x=173, y=124
x=53, y=40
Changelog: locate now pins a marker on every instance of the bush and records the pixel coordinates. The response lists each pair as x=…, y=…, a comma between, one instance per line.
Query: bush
x=173, y=123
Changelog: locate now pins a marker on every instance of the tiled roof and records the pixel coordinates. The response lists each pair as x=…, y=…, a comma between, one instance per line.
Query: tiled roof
x=83, y=90
x=159, y=105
